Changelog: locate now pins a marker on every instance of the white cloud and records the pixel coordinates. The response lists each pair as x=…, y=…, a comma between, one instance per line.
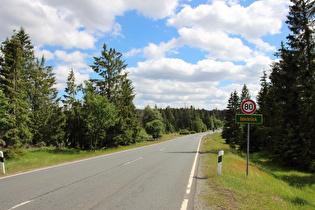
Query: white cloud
x=168, y=81
x=75, y=59
x=153, y=8
x=132, y=52
x=204, y=70
x=45, y=24
x=218, y=43
x=76, y=23
x=260, y=18
x=46, y=53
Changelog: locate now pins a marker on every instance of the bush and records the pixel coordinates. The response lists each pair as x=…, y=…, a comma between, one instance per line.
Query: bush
x=184, y=132
x=155, y=127
x=15, y=153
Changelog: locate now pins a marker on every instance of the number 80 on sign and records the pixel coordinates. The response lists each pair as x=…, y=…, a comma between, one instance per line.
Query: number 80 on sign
x=248, y=106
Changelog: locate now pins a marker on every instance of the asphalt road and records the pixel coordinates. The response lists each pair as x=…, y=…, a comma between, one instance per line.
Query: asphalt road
x=153, y=177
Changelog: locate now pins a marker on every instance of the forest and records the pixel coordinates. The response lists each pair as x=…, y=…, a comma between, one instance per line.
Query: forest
x=97, y=114
x=286, y=98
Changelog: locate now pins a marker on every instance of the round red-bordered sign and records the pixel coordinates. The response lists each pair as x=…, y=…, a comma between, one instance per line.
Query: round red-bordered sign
x=248, y=106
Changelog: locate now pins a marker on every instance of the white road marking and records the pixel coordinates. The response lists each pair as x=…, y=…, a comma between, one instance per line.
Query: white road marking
x=191, y=178
x=133, y=161
x=162, y=149
x=21, y=204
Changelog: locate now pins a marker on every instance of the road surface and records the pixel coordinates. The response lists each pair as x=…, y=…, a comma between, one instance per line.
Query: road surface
x=159, y=176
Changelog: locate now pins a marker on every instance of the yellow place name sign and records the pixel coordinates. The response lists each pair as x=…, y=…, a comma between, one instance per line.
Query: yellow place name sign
x=249, y=118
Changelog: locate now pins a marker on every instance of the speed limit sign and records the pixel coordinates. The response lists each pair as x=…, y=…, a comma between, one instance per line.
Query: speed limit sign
x=248, y=106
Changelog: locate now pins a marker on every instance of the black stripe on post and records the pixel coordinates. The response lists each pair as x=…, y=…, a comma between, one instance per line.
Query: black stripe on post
x=219, y=159
x=1, y=159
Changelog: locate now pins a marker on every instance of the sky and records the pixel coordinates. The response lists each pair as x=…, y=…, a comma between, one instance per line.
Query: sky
x=180, y=53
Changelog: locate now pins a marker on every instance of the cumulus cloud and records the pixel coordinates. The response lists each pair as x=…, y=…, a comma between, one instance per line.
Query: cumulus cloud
x=260, y=18
x=76, y=23
x=218, y=43
x=45, y=24
x=168, y=80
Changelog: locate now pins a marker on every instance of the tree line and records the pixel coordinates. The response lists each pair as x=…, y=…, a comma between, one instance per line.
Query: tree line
x=286, y=98
x=32, y=114
x=183, y=120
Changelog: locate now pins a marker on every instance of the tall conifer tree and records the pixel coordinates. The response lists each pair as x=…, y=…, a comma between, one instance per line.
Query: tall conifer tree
x=291, y=94
x=118, y=89
x=17, y=59
x=231, y=130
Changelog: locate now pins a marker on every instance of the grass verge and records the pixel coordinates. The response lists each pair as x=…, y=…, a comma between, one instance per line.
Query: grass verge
x=268, y=186
x=48, y=156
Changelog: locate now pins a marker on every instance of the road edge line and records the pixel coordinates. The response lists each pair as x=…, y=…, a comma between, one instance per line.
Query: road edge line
x=191, y=178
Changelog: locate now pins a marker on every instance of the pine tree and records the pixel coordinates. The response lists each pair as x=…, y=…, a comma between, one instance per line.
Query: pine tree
x=126, y=131
x=170, y=122
x=301, y=42
x=290, y=96
x=262, y=132
x=6, y=121
x=110, y=67
x=231, y=130
x=75, y=129
x=42, y=97
x=71, y=91
x=244, y=94
x=118, y=89
x=17, y=58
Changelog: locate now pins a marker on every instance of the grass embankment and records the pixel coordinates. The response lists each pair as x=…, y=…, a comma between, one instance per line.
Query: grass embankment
x=48, y=156
x=267, y=186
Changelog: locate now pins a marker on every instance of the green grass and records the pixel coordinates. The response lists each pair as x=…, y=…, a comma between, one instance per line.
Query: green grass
x=268, y=186
x=48, y=156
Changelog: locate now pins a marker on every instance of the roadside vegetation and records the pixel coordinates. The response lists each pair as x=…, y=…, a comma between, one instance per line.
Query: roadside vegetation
x=268, y=185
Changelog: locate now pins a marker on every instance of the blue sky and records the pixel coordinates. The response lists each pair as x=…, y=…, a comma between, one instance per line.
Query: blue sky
x=179, y=52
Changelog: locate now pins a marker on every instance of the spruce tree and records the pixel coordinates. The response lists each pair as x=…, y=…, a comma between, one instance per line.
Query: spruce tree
x=75, y=129
x=290, y=96
x=17, y=58
x=42, y=97
x=6, y=121
x=110, y=67
x=244, y=94
x=231, y=131
x=262, y=132
x=71, y=92
x=118, y=89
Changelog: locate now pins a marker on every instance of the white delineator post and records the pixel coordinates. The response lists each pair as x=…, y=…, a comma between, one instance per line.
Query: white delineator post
x=221, y=153
x=2, y=162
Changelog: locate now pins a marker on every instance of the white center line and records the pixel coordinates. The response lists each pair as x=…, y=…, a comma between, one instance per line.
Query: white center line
x=21, y=204
x=162, y=149
x=133, y=161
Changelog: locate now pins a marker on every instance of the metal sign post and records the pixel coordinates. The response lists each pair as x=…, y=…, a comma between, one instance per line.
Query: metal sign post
x=247, y=156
